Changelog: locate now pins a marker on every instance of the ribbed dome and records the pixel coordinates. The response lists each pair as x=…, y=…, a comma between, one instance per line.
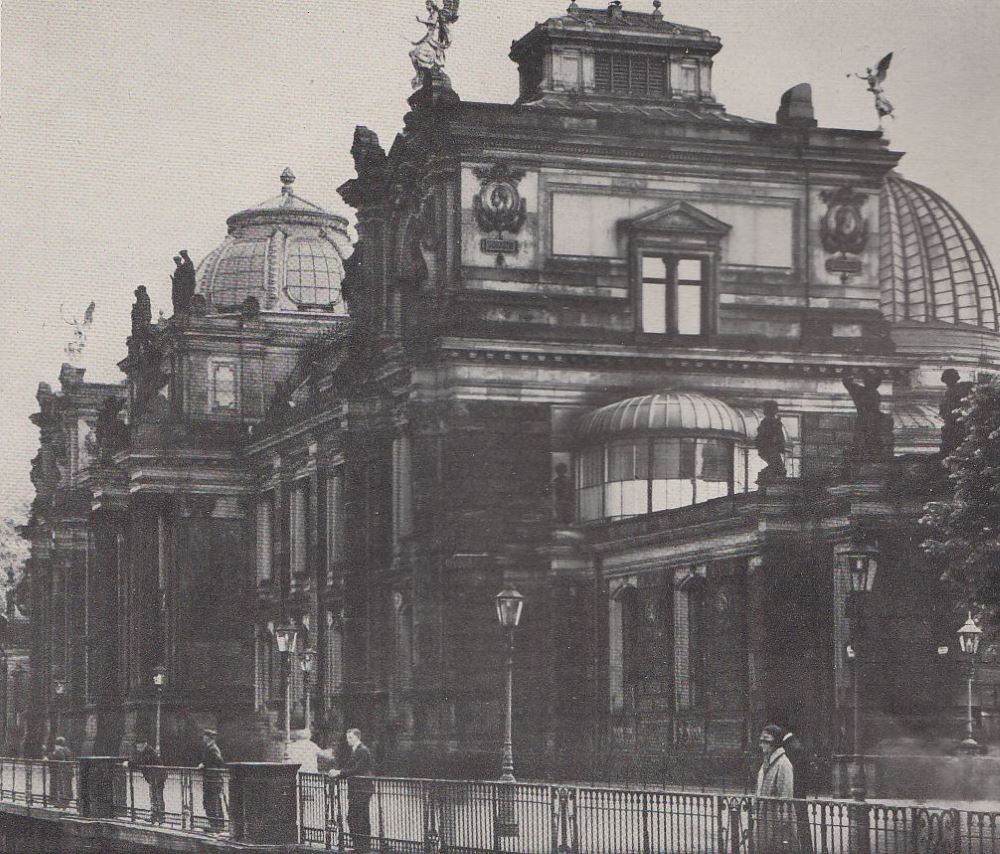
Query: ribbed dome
x=669, y=413
x=932, y=266
x=286, y=252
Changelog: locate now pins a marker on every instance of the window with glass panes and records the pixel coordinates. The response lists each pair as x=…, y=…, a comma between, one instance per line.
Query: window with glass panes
x=673, y=294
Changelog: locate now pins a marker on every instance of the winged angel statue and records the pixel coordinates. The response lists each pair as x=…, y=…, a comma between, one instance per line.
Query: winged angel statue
x=428, y=53
x=875, y=79
x=74, y=348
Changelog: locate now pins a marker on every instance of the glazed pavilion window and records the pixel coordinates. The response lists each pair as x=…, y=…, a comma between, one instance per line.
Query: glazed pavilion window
x=673, y=294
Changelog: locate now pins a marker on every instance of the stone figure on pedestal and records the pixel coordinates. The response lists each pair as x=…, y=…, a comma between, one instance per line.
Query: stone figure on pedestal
x=562, y=495
x=770, y=444
x=953, y=431
x=872, y=427
x=142, y=313
x=428, y=54
x=184, y=283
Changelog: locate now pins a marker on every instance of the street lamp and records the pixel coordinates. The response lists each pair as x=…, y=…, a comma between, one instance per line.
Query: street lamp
x=306, y=661
x=159, y=680
x=969, y=636
x=509, y=604
x=286, y=637
x=861, y=569
x=59, y=686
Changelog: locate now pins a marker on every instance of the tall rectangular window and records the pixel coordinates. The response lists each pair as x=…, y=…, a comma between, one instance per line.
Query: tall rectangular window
x=223, y=388
x=334, y=518
x=297, y=527
x=673, y=294
x=265, y=538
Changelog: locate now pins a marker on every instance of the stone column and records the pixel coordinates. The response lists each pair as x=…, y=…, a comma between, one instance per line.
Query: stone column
x=262, y=802
x=97, y=778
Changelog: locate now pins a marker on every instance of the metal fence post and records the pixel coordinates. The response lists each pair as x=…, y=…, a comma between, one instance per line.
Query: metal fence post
x=645, y=823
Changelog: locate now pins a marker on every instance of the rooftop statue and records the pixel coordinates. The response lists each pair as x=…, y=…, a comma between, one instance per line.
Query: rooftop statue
x=142, y=313
x=872, y=427
x=875, y=79
x=770, y=444
x=75, y=347
x=184, y=283
x=428, y=53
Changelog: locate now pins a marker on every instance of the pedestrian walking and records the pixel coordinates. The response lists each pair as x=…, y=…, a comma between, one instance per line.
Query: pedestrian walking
x=775, y=829
x=61, y=773
x=358, y=769
x=148, y=761
x=801, y=784
x=211, y=787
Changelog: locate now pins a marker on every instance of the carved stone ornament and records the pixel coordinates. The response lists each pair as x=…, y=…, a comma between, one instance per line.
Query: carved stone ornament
x=498, y=205
x=843, y=228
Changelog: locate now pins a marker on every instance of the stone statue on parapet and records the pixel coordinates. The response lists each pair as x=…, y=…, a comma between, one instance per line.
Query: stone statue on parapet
x=369, y=156
x=111, y=434
x=428, y=54
x=873, y=440
x=563, y=505
x=75, y=347
x=875, y=78
x=953, y=429
x=770, y=444
x=184, y=283
x=142, y=314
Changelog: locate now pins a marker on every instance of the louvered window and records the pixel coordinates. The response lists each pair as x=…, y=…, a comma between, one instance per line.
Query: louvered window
x=628, y=74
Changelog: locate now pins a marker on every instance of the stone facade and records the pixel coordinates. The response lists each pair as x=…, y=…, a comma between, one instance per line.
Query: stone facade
x=376, y=478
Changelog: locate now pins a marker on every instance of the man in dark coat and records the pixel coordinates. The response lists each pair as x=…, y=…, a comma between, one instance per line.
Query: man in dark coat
x=801, y=783
x=149, y=762
x=61, y=774
x=211, y=795
x=358, y=769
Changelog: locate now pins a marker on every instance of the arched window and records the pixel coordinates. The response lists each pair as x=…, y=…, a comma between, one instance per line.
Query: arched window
x=624, y=664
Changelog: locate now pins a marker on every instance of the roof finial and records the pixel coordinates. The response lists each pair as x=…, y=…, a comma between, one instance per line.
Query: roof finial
x=657, y=14
x=287, y=179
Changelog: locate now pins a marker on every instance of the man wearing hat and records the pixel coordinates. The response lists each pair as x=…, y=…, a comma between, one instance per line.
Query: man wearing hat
x=775, y=828
x=211, y=787
x=148, y=761
x=62, y=774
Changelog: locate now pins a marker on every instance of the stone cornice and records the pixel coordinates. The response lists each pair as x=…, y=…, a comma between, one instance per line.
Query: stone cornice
x=830, y=365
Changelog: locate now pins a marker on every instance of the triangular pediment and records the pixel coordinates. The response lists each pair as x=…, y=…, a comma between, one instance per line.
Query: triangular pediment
x=678, y=217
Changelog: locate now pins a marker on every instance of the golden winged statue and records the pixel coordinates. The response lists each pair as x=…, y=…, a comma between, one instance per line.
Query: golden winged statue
x=428, y=52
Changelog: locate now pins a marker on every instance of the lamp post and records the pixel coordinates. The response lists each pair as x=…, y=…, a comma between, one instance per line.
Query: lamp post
x=509, y=604
x=969, y=636
x=861, y=568
x=159, y=680
x=59, y=686
x=286, y=637
x=306, y=661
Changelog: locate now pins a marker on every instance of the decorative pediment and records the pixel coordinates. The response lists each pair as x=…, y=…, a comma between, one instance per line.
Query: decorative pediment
x=678, y=217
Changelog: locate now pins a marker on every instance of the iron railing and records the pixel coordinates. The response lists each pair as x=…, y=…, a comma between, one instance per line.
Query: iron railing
x=412, y=815
x=182, y=798
x=40, y=782
x=419, y=815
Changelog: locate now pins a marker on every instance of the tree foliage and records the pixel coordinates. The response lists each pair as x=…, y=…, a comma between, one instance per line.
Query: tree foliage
x=13, y=550
x=964, y=532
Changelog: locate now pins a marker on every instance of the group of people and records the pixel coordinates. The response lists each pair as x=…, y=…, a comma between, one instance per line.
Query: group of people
x=783, y=773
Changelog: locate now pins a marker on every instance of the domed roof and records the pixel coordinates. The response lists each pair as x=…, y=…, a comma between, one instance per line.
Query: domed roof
x=932, y=265
x=668, y=413
x=286, y=252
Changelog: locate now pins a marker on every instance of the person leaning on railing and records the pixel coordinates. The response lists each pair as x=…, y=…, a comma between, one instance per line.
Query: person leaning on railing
x=358, y=769
x=211, y=796
x=62, y=774
x=148, y=761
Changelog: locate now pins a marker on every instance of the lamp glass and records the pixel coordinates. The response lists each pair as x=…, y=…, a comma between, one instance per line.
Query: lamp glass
x=307, y=660
x=858, y=564
x=159, y=676
x=969, y=635
x=285, y=637
x=509, y=605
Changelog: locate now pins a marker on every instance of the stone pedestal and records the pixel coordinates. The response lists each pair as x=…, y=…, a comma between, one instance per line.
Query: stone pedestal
x=262, y=802
x=97, y=785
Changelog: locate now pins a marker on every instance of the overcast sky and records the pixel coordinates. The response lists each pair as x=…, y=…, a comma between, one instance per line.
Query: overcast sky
x=133, y=128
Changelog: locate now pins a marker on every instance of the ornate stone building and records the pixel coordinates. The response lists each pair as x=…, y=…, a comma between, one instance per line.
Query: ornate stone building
x=545, y=363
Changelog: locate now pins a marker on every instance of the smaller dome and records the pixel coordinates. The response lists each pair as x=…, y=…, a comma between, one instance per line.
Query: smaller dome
x=286, y=252
x=668, y=413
